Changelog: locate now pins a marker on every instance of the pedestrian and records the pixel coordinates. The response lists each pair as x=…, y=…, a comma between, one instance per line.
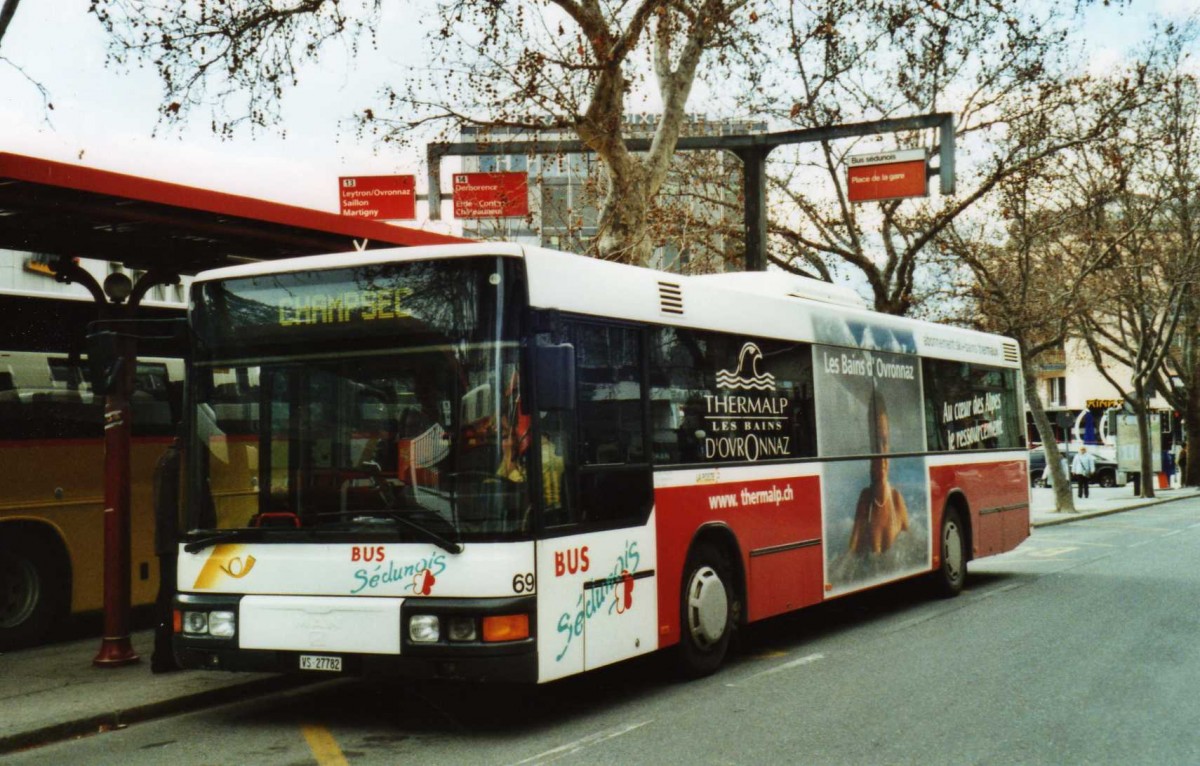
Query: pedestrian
x=1084, y=467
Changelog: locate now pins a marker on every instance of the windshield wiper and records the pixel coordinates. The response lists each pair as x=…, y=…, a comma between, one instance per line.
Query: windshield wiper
x=444, y=543
x=221, y=537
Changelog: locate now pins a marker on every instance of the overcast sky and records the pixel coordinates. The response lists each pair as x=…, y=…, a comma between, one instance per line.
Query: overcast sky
x=105, y=117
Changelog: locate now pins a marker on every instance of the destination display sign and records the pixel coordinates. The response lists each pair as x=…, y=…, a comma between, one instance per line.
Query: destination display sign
x=441, y=301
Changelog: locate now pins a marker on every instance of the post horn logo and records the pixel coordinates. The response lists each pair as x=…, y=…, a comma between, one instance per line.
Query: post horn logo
x=747, y=376
x=224, y=560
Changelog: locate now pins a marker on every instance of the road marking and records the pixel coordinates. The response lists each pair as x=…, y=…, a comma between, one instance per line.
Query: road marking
x=324, y=747
x=979, y=595
x=1050, y=553
x=805, y=660
x=574, y=747
x=1082, y=542
x=1131, y=527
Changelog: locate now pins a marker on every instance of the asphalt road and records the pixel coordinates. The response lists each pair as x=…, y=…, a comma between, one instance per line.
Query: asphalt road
x=1081, y=647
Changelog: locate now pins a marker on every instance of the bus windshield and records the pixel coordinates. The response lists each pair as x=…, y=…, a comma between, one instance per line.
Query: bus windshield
x=383, y=399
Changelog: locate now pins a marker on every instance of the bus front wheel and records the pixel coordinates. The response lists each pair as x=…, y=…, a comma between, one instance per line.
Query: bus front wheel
x=951, y=575
x=707, y=611
x=28, y=603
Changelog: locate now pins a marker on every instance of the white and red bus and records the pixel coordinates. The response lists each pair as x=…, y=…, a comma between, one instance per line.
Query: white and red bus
x=498, y=462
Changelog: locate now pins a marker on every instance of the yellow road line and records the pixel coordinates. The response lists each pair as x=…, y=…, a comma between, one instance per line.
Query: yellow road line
x=324, y=747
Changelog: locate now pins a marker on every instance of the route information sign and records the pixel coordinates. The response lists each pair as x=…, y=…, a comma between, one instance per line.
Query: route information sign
x=491, y=195
x=887, y=175
x=386, y=198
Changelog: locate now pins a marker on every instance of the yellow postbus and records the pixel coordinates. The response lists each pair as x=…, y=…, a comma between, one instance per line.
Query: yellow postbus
x=52, y=480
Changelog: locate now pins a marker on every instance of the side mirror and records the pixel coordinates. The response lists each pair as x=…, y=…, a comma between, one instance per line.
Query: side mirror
x=104, y=360
x=555, y=374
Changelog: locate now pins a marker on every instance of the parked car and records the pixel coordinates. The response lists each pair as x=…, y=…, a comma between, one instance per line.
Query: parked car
x=1106, y=470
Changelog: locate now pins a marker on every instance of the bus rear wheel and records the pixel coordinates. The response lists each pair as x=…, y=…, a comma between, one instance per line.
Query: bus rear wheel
x=708, y=611
x=951, y=575
x=28, y=602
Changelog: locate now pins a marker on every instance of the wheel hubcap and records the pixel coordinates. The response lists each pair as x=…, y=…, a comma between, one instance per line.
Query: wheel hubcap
x=708, y=607
x=19, y=591
x=952, y=552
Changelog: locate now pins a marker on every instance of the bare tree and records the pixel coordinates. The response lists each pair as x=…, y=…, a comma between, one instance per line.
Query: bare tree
x=1138, y=313
x=1178, y=181
x=533, y=65
x=1004, y=68
x=1135, y=318
x=7, y=11
x=1025, y=272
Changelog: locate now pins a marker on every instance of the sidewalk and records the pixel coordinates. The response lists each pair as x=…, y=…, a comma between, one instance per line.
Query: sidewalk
x=53, y=692
x=1100, y=503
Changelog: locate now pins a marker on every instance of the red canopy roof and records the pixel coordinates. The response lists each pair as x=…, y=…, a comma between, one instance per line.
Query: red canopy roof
x=62, y=209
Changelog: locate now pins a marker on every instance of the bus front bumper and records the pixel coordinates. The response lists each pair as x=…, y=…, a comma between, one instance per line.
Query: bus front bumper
x=438, y=655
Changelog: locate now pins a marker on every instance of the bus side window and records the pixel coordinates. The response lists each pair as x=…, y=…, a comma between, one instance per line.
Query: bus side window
x=558, y=507
x=679, y=375
x=613, y=481
x=150, y=401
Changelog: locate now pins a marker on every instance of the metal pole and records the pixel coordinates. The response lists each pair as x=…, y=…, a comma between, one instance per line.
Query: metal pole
x=754, y=175
x=751, y=148
x=115, y=648
x=434, y=154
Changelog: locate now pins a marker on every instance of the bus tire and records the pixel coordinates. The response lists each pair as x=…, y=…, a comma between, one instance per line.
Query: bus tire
x=30, y=601
x=707, y=611
x=951, y=574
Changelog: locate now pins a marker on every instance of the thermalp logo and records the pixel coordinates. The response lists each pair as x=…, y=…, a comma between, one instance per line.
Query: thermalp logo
x=746, y=421
x=747, y=376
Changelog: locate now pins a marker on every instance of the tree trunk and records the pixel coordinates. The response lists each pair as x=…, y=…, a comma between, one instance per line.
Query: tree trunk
x=1142, y=407
x=624, y=228
x=1191, y=425
x=7, y=11
x=1063, y=501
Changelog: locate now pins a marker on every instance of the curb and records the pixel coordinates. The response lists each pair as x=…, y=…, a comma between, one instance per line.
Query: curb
x=1067, y=518
x=119, y=719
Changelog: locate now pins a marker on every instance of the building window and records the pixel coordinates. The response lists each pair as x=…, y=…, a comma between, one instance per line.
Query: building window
x=1056, y=390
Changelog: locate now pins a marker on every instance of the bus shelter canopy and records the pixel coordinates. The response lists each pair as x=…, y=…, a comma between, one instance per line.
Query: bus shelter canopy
x=55, y=208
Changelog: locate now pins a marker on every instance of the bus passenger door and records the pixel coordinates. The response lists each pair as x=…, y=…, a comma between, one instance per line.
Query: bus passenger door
x=600, y=604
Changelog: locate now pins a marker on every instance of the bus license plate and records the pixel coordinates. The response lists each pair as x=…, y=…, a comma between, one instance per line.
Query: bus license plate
x=320, y=662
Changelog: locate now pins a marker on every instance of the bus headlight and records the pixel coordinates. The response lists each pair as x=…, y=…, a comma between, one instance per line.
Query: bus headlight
x=461, y=629
x=222, y=624
x=424, y=628
x=195, y=623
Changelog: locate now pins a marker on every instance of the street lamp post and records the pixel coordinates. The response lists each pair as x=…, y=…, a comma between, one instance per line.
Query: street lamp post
x=115, y=647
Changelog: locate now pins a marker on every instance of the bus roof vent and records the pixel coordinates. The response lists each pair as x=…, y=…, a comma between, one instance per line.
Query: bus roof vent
x=1011, y=353
x=670, y=298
